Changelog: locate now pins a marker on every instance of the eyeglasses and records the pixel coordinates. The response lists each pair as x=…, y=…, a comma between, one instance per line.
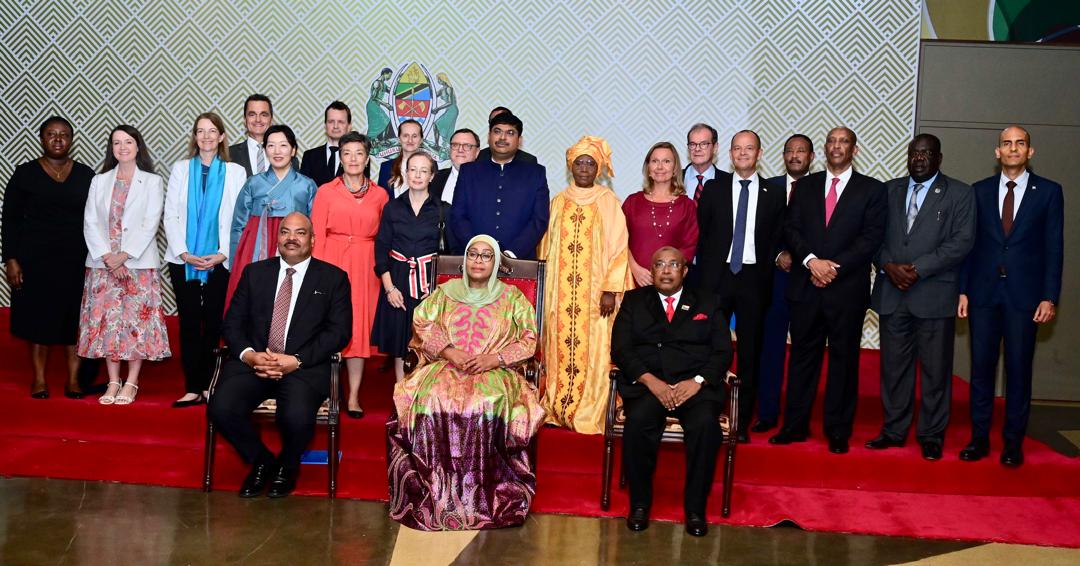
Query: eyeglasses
x=703, y=145
x=673, y=264
x=485, y=257
x=462, y=146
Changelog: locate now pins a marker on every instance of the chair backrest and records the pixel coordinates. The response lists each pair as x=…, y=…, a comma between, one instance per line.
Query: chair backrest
x=525, y=274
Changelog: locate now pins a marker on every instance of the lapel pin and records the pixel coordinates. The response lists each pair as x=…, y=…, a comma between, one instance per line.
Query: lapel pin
x=684, y=307
x=937, y=190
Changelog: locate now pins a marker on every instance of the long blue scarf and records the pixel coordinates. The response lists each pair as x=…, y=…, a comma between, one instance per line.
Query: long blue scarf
x=202, y=213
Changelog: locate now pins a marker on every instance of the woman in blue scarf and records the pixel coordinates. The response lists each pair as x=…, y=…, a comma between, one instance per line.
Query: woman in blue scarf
x=265, y=200
x=198, y=216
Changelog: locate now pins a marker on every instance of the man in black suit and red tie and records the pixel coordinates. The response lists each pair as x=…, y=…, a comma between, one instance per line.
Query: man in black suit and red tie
x=289, y=315
x=673, y=347
x=323, y=163
x=835, y=225
x=701, y=146
x=740, y=218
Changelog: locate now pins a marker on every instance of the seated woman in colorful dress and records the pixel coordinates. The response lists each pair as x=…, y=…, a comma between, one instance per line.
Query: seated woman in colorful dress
x=265, y=200
x=463, y=419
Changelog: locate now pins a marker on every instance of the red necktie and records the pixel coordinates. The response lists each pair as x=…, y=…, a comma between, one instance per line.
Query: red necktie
x=697, y=191
x=276, y=343
x=1007, y=208
x=670, y=310
x=830, y=200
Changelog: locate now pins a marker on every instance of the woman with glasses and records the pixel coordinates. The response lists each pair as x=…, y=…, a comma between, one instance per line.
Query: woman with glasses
x=265, y=200
x=587, y=266
x=410, y=232
x=463, y=420
x=660, y=214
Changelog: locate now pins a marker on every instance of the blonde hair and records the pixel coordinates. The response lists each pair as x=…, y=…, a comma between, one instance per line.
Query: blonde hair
x=677, y=186
x=223, y=146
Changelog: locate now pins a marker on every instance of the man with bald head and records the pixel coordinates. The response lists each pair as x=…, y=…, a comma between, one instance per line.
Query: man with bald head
x=289, y=315
x=835, y=224
x=673, y=347
x=1010, y=284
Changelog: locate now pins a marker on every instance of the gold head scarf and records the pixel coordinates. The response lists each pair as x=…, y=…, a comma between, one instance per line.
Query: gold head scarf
x=600, y=151
x=459, y=289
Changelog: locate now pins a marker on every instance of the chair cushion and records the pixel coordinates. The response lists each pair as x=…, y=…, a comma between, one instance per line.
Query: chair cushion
x=671, y=427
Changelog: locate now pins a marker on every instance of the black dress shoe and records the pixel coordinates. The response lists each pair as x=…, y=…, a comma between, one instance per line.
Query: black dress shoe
x=882, y=442
x=1012, y=457
x=189, y=403
x=931, y=451
x=255, y=482
x=43, y=394
x=357, y=414
x=638, y=519
x=763, y=426
x=696, y=525
x=787, y=437
x=976, y=450
x=283, y=483
x=838, y=445
x=742, y=437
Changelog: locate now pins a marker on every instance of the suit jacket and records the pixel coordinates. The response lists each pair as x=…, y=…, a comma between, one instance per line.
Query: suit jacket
x=854, y=234
x=1032, y=254
x=696, y=341
x=439, y=182
x=939, y=240
x=140, y=221
x=314, y=165
x=521, y=155
x=321, y=323
x=716, y=221
x=238, y=154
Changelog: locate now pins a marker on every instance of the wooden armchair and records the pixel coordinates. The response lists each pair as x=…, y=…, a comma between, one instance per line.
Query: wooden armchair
x=616, y=420
x=328, y=415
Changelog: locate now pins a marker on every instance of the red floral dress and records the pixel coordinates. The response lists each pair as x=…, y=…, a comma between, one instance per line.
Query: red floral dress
x=121, y=317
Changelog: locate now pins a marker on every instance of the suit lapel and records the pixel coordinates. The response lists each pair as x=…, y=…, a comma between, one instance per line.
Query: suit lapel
x=843, y=201
x=1030, y=194
x=307, y=289
x=683, y=308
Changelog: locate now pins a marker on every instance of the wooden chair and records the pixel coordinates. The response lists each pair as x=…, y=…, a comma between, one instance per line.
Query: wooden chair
x=616, y=421
x=328, y=415
x=525, y=274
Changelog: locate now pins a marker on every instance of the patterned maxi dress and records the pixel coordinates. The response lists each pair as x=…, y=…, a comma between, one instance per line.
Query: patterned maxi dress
x=122, y=319
x=458, y=444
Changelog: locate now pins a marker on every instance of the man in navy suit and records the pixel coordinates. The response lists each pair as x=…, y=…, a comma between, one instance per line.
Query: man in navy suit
x=835, y=224
x=323, y=163
x=1011, y=283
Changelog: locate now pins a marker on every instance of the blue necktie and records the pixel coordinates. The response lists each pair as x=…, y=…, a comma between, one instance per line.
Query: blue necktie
x=738, y=238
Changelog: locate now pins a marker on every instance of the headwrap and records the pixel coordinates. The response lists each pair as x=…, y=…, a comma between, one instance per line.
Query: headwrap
x=595, y=147
x=459, y=289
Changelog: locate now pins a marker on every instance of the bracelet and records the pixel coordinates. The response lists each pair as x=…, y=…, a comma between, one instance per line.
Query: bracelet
x=391, y=290
x=502, y=362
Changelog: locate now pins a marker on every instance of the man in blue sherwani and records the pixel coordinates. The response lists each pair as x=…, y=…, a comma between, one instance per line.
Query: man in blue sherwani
x=504, y=197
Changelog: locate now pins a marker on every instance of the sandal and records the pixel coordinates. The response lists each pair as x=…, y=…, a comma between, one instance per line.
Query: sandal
x=127, y=399
x=110, y=394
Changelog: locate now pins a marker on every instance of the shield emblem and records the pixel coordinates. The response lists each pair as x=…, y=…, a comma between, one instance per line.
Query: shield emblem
x=413, y=94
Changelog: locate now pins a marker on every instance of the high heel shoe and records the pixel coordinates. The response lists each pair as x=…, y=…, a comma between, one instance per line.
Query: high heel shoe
x=127, y=399
x=40, y=394
x=110, y=394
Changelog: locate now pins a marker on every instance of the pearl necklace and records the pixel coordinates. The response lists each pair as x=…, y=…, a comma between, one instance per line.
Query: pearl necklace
x=657, y=227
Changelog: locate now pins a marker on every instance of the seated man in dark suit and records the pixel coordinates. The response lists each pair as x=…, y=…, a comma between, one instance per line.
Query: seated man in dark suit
x=673, y=347
x=289, y=315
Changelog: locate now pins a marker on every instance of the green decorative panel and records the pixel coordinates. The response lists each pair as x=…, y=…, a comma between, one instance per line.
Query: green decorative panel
x=633, y=72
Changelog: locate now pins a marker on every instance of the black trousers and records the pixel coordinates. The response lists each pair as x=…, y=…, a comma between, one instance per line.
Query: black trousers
x=905, y=339
x=645, y=418
x=747, y=296
x=201, y=309
x=239, y=391
x=812, y=323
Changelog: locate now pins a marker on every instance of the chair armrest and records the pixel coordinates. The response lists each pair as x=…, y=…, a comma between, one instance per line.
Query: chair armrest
x=411, y=360
x=532, y=369
x=221, y=353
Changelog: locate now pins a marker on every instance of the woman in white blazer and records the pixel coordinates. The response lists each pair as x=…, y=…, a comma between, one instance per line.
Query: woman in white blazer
x=198, y=218
x=121, y=318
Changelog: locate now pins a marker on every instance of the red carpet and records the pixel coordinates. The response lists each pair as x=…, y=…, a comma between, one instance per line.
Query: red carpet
x=893, y=492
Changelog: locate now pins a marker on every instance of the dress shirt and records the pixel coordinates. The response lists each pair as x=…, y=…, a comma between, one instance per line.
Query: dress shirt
x=749, y=250
x=921, y=197
x=789, y=186
x=253, y=149
x=448, y=188
x=297, y=281
x=663, y=297
x=1018, y=192
x=690, y=178
x=403, y=186
x=844, y=178
x=336, y=156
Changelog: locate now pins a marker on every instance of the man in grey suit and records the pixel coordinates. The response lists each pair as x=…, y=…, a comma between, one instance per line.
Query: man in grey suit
x=929, y=231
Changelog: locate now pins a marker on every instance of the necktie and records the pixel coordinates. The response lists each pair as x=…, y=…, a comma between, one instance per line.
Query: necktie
x=1007, y=208
x=700, y=185
x=830, y=200
x=331, y=163
x=276, y=343
x=670, y=309
x=260, y=160
x=738, y=237
x=913, y=206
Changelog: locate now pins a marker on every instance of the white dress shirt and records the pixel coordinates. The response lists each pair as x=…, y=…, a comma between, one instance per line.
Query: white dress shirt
x=663, y=299
x=790, y=185
x=448, y=188
x=297, y=282
x=254, y=148
x=690, y=179
x=1018, y=192
x=844, y=178
x=403, y=186
x=749, y=255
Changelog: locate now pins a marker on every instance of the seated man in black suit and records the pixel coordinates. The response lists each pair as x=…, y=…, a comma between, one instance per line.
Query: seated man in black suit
x=673, y=347
x=289, y=315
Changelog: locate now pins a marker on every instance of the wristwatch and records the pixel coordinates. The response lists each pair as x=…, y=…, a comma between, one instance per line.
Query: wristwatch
x=299, y=362
x=699, y=380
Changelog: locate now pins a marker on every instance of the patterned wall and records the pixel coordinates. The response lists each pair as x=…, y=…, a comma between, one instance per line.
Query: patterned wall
x=635, y=72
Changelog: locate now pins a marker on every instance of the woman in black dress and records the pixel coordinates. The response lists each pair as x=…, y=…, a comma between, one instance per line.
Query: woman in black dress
x=408, y=240
x=44, y=251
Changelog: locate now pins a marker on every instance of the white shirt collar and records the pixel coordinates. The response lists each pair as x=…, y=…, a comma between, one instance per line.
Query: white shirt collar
x=677, y=295
x=301, y=268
